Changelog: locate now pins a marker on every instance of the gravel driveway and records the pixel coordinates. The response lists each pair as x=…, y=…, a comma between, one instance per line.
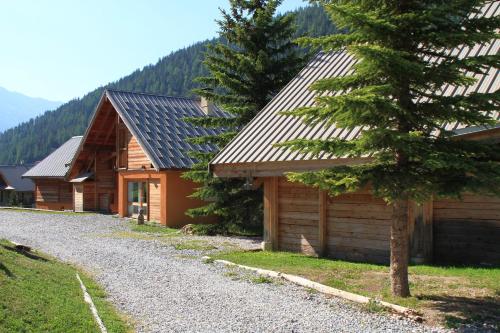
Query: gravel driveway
x=168, y=290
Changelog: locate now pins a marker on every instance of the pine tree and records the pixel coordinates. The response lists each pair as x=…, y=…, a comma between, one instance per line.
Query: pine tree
x=394, y=94
x=253, y=60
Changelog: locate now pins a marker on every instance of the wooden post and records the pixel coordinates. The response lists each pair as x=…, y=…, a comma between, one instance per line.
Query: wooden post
x=270, y=214
x=420, y=232
x=267, y=221
x=163, y=198
x=96, y=199
x=323, y=203
x=122, y=196
x=274, y=213
x=428, y=209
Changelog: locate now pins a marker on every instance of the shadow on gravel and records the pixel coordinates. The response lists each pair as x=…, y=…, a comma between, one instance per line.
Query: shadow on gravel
x=24, y=253
x=465, y=310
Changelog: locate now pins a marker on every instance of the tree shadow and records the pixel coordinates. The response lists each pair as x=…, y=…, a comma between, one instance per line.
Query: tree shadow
x=467, y=310
x=25, y=253
x=6, y=270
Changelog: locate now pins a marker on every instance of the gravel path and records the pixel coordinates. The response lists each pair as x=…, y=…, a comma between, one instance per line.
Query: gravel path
x=169, y=290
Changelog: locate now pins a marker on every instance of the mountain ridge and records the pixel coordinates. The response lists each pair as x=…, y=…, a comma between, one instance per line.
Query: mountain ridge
x=16, y=107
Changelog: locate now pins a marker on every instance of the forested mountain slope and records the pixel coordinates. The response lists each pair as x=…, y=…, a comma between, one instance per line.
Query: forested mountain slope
x=172, y=75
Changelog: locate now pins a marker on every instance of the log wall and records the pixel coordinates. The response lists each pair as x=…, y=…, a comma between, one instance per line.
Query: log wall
x=467, y=231
x=53, y=194
x=298, y=218
x=356, y=226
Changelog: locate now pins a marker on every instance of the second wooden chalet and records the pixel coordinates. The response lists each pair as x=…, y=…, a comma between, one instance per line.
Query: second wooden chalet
x=133, y=154
x=356, y=226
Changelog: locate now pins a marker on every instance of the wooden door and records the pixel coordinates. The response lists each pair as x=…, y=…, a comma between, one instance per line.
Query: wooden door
x=104, y=202
x=78, y=197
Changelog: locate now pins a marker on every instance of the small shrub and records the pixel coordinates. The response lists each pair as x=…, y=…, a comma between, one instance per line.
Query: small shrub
x=208, y=260
x=208, y=229
x=375, y=307
x=261, y=279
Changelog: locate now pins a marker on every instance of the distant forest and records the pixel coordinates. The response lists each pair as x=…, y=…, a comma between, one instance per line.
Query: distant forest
x=172, y=75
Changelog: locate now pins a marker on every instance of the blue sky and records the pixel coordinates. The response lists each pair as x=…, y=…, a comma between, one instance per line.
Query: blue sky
x=61, y=49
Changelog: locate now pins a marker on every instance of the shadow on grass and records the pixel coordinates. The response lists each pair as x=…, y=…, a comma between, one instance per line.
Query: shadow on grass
x=467, y=310
x=6, y=270
x=24, y=253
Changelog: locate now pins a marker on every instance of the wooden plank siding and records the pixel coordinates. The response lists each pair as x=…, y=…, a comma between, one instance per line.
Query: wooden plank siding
x=467, y=231
x=356, y=226
x=137, y=159
x=155, y=200
x=53, y=194
x=350, y=226
x=298, y=218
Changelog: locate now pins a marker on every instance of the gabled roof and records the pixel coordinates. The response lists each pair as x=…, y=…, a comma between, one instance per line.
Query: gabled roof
x=57, y=164
x=256, y=142
x=12, y=176
x=157, y=122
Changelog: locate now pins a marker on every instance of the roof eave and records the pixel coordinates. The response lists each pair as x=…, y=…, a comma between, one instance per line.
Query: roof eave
x=279, y=168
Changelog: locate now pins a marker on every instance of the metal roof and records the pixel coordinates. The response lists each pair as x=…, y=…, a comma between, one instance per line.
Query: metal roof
x=57, y=164
x=157, y=122
x=255, y=143
x=12, y=175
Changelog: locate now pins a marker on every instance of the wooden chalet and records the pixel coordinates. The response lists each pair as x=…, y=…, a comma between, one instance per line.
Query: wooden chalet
x=52, y=191
x=14, y=188
x=356, y=226
x=133, y=154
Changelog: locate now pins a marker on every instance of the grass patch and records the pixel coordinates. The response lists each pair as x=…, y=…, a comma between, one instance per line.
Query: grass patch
x=41, y=294
x=261, y=279
x=197, y=245
x=153, y=228
x=445, y=295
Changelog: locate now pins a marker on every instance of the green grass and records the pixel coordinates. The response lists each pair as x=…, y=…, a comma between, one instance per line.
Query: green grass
x=445, y=295
x=153, y=228
x=41, y=294
x=261, y=279
x=197, y=245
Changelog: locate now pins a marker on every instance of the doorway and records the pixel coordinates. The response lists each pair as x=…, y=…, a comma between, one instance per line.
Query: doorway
x=137, y=198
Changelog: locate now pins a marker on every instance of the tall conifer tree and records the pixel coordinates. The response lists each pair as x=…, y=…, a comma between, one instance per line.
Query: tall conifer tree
x=257, y=58
x=395, y=95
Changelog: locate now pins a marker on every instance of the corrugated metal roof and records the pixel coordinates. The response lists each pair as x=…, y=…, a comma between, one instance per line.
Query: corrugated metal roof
x=57, y=164
x=255, y=143
x=12, y=175
x=157, y=122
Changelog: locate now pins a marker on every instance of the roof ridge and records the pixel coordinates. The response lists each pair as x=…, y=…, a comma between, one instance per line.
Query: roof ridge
x=150, y=94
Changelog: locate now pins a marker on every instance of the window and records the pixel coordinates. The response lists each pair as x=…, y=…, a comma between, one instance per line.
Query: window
x=137, y=198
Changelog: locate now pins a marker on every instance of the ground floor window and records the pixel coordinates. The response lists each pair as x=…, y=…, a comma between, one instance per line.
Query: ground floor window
x=137, y=198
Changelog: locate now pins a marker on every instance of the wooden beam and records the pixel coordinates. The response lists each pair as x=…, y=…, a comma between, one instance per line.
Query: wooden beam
x=109, y=134
x=278, y=169
x=323, y=205
x=420, y=232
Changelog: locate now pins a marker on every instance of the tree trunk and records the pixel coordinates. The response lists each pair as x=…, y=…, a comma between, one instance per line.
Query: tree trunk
x=399, y=249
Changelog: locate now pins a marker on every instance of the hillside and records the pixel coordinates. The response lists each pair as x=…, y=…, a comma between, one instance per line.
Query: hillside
x=16, y=108
x=172, y=75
